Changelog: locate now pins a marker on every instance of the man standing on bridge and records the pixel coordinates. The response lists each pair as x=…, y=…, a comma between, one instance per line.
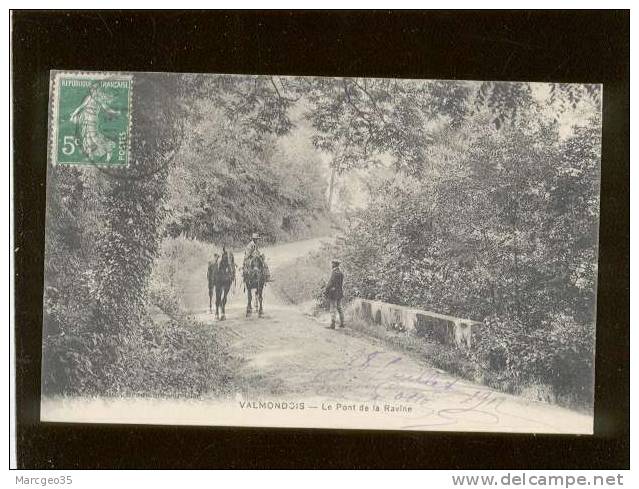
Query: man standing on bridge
x=335, y=293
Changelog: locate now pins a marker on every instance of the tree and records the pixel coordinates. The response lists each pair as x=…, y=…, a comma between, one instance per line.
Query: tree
x=133, y=205
x=226, y=185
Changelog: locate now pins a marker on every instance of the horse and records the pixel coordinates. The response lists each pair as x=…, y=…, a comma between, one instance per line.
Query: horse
x=254, y=278
x=224, y=276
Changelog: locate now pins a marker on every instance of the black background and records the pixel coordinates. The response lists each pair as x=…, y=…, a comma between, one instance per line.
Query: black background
x=575, y=46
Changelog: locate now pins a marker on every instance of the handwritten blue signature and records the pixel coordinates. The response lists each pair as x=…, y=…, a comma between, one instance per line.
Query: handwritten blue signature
x=382, y=377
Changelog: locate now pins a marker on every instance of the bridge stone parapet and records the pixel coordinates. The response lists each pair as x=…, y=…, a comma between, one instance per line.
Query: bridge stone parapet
x=445, y=329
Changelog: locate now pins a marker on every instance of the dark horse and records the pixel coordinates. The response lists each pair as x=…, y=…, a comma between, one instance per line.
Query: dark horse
x=223, y=277
x=254, y=278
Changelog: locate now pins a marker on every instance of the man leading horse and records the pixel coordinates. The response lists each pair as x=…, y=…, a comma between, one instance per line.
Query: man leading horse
x=255, y=273
x=220, y=275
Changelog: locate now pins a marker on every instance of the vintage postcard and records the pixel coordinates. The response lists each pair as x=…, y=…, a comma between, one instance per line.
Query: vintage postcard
x=350, y=253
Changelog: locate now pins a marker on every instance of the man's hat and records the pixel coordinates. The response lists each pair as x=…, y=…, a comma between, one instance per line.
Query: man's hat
x=335, y=261
x=255, y=236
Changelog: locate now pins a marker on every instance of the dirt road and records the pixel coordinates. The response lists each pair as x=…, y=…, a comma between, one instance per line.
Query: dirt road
x=342, y=377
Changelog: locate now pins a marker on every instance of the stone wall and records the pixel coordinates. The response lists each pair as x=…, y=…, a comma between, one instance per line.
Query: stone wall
x=444, y=329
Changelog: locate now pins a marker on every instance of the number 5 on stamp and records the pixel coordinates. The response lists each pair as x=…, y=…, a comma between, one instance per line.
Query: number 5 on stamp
x=91, y=119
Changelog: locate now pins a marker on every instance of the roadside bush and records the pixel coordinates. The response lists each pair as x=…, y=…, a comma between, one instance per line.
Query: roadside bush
x=306, y=278
x=319, y=296
x=174, y=358
x=158, y=357
x=560, y=355
x=165, y=298
x=177, y=358
x=69, y=364
x=178, y=259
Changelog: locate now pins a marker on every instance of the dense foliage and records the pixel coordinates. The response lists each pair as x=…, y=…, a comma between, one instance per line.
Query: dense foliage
x=225, y=185
x=234, y=175
x=497, y=222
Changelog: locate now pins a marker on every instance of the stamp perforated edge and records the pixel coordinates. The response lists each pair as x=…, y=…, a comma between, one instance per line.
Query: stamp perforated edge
x=54, y=80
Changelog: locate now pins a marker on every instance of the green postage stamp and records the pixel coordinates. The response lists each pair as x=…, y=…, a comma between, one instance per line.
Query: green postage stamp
x=91, y=119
